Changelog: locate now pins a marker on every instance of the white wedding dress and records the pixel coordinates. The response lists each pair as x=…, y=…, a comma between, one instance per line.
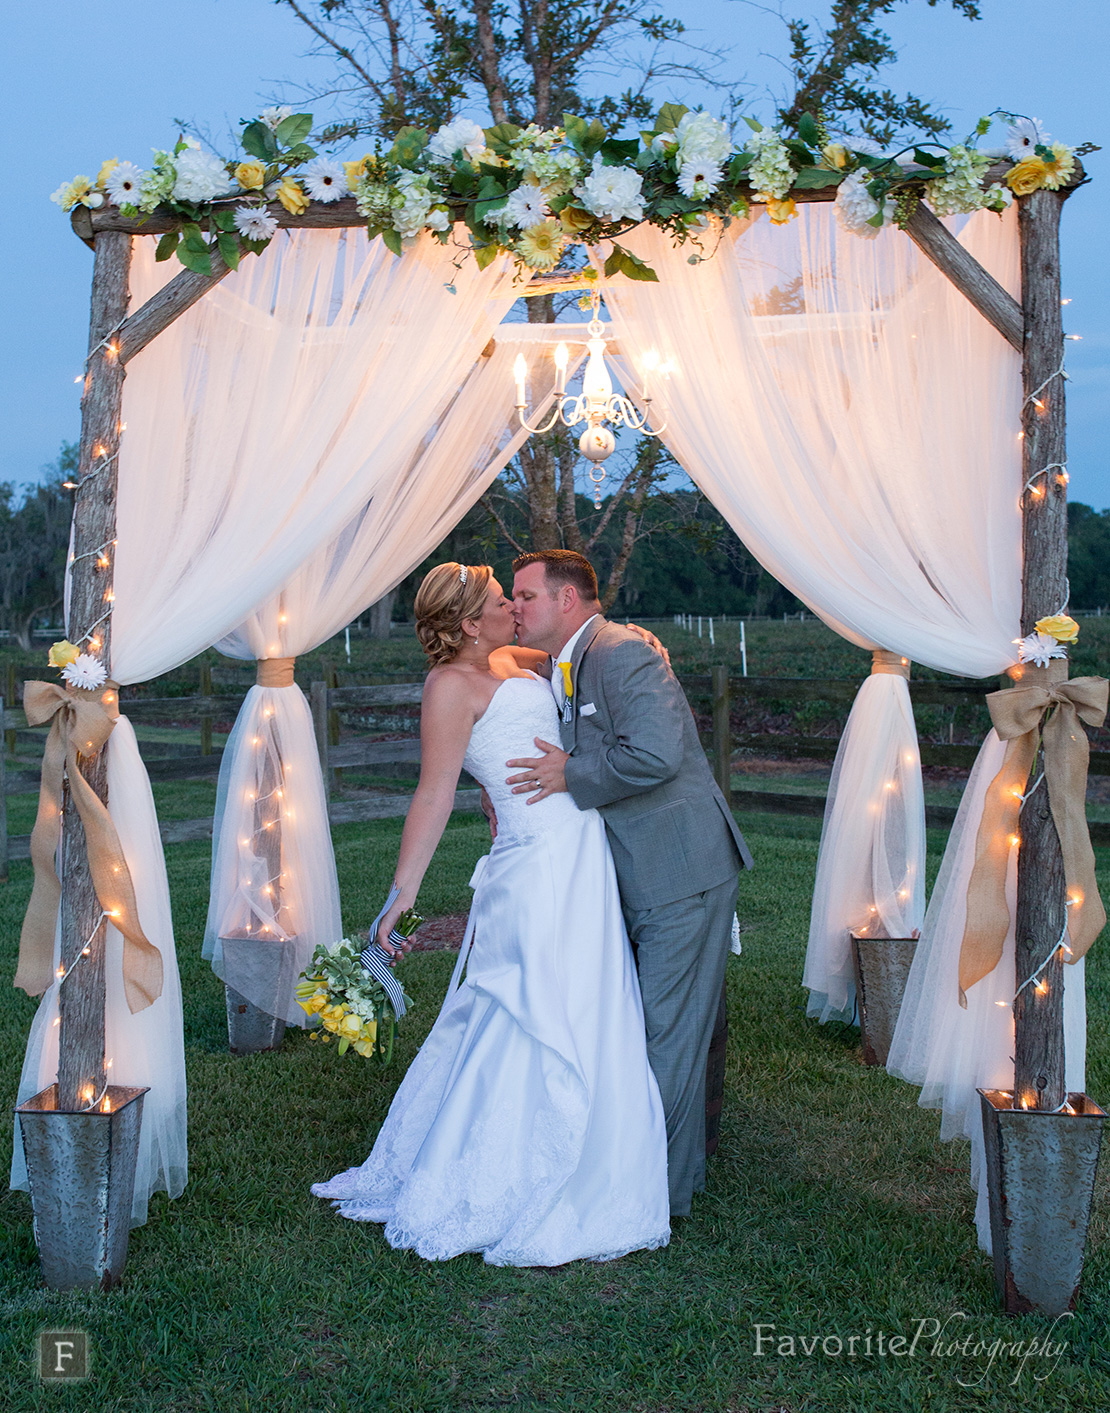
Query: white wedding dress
x=529, y=1126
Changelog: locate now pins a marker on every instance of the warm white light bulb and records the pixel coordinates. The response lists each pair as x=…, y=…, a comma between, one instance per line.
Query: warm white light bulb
x=520, y=373
x=597, y=386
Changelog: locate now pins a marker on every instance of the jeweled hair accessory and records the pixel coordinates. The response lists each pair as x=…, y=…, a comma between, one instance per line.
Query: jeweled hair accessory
x=462, y=573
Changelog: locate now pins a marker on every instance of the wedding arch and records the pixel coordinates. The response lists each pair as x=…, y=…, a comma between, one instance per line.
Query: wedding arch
x=881, y=421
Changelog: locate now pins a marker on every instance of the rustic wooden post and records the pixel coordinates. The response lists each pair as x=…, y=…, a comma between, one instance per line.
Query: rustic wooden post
x=81, y=1071
x=205, y=721
x=722, y=736
x=1041, y=900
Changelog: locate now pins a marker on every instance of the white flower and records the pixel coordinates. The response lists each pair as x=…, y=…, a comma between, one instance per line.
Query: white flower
x=274, y=117
x=255, y=222
x=612, y=193
x=124, y=184
x=325, y=180
x=438, y=219
x=523, y=207
x=855, y=206
x=411, y=204
x=770, y=173
x=88, y=672
x=463, y=135
x=200, y=176
x=374, y=200
x=698, y=179
x=662, y=143
x=1037, y=648
x=702, y=138
x=1024, y=136
x=960, y=189
x=158, y=182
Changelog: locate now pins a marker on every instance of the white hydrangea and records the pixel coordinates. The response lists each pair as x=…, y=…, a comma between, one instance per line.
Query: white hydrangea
x=960, y=189
x=698, y=178
x=855, y=206
x=770, y=173
x=274, y=117
x=524, y=207
x=158, y=183
x=412, y=204
x=462, y=135
x=612, y=193
x=325, y=179
x=556, y=171
x=200, y=176
x=1023, y=137
x=702, y=138
x=374, y=200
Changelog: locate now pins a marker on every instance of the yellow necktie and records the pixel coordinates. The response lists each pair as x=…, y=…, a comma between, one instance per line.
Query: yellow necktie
x=564, y=668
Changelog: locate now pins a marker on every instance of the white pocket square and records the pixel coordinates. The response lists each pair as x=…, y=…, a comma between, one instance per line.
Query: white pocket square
x=587, y=710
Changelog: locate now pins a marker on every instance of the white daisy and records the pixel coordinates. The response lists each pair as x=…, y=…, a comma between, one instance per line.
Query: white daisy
x=1023, y=137
x=698, y=179
x=200, y=176
x=1037, y=648
x=524, y=207
x=274, y=117
x=255, y=222
x=86, y=672
x=325, y=180
x=124, y=184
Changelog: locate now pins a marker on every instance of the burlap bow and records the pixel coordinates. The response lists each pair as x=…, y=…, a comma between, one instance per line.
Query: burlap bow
x=1016, y=713
x=82, y=722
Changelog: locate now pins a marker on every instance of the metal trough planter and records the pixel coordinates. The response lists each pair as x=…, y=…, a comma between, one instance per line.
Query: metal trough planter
x=881, y=966
x=1041, y=1178
x=269, y=965
x=81, y=1171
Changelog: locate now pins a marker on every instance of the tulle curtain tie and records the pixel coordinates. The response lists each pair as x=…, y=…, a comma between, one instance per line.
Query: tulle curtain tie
x=1017, y=714
x=274, y=671
x=890, y=664
x=82, y=722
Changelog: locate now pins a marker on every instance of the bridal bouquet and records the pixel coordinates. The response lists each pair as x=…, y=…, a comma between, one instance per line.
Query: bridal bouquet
x=352, y=1004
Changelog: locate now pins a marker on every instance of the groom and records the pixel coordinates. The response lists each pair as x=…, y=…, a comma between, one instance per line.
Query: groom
x=631, y=751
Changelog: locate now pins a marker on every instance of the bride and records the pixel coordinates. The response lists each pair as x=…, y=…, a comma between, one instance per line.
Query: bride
x=529, y=1126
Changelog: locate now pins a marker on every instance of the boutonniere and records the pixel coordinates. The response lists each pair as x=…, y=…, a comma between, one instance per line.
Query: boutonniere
x=568, y=689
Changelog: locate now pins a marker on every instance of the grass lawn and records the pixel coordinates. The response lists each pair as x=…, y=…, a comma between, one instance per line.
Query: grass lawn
x=832, y=1210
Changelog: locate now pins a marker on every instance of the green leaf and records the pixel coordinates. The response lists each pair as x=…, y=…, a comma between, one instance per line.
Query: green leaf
x=193, y=238
x=576, y=129
x=391, y=240
x=407, y=146
x=485, y=255
x=927, y=159
x=594, y=139
x=199, y=261
x=294, y=129
x=811, y=178
x=167, y=245
x=613, y=261
x=801, y=151
x=259, y=142
x=739, y=165
x=491, y=188
x=619, y=150
x=669, y=117
x=808, y=130
x=222, y=219
x=751, y=122
x=228, y=247
x=500, y=138
x=623, y=262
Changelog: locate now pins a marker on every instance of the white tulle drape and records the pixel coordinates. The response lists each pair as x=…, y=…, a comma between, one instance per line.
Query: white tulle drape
x=256, y=428
x=288, y=893
x=858, y=427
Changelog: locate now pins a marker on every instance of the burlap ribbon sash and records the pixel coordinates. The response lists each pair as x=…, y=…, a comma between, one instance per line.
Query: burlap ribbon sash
x=1016, y=713
x=274, y=672
x=82, y=722
x=889, y=664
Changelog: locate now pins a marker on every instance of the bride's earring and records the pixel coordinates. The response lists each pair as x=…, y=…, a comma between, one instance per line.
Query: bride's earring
x=475, y=642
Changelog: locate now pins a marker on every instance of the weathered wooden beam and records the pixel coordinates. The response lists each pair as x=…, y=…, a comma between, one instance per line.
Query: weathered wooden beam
x=81, y=1071
x=1041, y=893
x=996, y=305
x=163, y=308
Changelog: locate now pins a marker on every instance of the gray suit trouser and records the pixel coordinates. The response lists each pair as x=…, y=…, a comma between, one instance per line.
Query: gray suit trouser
x=681, y=950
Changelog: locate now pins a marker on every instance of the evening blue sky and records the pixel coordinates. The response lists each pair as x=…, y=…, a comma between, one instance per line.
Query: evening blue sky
x=90, y=81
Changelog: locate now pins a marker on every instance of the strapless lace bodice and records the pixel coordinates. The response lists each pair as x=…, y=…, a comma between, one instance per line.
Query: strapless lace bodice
x=522, y=709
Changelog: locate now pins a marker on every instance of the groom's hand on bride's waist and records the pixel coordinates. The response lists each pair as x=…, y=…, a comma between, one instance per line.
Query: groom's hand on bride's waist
x=545, y=775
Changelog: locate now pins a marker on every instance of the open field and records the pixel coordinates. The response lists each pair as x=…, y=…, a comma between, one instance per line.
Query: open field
x=832, y=1209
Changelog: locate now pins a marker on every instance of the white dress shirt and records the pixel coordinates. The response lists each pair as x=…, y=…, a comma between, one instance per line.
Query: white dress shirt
x=557, y=687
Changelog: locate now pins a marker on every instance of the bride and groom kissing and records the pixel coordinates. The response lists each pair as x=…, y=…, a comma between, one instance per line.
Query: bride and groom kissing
x=556, y=1111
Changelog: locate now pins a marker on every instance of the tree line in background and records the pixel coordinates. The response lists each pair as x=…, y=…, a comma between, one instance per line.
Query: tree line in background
x=675, y=554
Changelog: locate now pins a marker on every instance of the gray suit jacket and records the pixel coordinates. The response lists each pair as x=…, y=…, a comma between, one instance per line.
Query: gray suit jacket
x=636, y=759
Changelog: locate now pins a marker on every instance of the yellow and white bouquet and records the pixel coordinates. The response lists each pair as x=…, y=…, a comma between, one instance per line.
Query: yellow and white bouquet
x=351, y=1003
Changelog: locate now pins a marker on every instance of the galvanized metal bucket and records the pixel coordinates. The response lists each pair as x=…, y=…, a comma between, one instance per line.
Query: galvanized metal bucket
x=881, y=966
x=270, y=965
x=81, y=1170
x=1041, y=1178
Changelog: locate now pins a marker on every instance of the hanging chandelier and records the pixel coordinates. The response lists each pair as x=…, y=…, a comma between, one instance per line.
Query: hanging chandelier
x=597, y=405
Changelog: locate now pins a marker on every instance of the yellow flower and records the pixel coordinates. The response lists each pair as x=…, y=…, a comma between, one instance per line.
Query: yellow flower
x=369, y=1031
x=834, y=156
x=313, y=1005
x=541, y=246
x=292, y=196
x=574, y=218
x=350, y=1025
x=62, y=654
x=355, y=170
x=1059, y=167
x=106, y=171
x=1058, y=626
x=251, y=175
x=1027, y=176
x=781, y=211
x=330, y=1023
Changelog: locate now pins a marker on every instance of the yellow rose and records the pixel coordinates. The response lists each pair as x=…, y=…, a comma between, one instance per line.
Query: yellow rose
x=251, y=175
x=574, y=218
x=781, y=211
x=106, y=171
x=834, y=156
x=330, y=1024
x=1058, y=626
x=292, y=197
x=355, y=170
x=62, y=654
x=350, y=1025
x=1027, y=176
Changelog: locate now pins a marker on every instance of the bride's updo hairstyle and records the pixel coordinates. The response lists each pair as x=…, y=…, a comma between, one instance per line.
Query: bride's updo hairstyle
x=450, y=592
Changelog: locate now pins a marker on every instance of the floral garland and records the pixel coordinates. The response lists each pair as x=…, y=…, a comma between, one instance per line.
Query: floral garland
x=532, y=192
